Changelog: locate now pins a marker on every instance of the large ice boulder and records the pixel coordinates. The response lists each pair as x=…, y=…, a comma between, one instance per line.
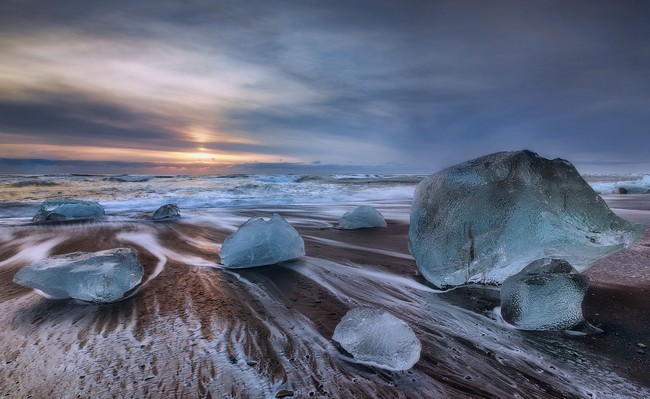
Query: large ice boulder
x=486, y=219
x=260, y=242
x=103, y=276
x=545, y=295
x=376, y=337
x=66, y=209
x=167, y=212
x=362, y=217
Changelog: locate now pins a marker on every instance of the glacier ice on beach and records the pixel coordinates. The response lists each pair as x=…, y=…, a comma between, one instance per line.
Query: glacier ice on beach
x=603, y=187
x=66, y=209
x=103, y=276
x=545, y=295
x=362, y=217
x=167, y=212
x=260, y=242
x=639, y=186
x=378, y=338
x=486, y=219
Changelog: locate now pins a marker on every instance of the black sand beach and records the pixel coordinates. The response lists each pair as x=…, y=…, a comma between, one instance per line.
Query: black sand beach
x=195, y=330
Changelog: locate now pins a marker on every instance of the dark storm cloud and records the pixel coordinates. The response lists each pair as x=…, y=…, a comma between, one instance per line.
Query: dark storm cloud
x=453, y=80
x=74, y=120
x=429, y=82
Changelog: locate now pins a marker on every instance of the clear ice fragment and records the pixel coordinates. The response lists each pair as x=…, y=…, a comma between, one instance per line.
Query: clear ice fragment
x=259, y=242
x=103, y=276
x=67, y=209
x=376, y=337
x=545, y=295
x=362, y=217
x=641, y=186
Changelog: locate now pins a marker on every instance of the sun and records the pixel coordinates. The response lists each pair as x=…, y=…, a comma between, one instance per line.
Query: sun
x=204, y=156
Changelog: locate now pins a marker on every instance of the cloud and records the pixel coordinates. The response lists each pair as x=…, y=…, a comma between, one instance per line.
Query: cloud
x=422, y=84
x=71, y=118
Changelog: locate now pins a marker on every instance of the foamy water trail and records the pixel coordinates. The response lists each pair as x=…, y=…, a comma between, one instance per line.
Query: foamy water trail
x=196, y=330
x=31, y=248
x=456, y=327
x=227, y=222
x=201, y=243
x=293, y=336
x=147, y=240
x=341, y=244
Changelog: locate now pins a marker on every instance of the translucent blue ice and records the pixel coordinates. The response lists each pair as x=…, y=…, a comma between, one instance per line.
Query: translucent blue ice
x=486, y=219
x=378, y=338
x=639, y=186
x=260, y=242
x=66, y=209
x=362, y=217
x=545, y=295
x=103, y=276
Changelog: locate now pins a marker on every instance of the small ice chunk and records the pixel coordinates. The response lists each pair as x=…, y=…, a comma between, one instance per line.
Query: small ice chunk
x=259, y=242
x=545, y=295
x=66, y=209
x=645, y=181
x=167, y=212
x=362, y=217
x=603, y=187
x=632, y=187
x=486, y=219
x=103, y=276
x=376, y=337
x=639, y=186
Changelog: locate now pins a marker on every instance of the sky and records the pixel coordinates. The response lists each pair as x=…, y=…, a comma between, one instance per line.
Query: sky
x=211, y=86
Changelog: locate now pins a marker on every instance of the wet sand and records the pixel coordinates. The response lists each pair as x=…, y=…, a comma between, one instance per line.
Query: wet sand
x=195, y=330
x=618, y=298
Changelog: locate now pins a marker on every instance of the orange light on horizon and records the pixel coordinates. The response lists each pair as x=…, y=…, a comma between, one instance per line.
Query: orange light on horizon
x=111, y=154
x=205, y=156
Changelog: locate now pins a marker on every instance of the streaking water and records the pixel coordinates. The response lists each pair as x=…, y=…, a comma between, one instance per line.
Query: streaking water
x=193, y=329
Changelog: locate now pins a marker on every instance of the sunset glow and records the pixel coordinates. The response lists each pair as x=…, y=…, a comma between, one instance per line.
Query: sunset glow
x=87, y=153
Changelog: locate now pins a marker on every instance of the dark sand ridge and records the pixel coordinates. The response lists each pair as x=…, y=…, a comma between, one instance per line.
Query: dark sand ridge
x=197, y=331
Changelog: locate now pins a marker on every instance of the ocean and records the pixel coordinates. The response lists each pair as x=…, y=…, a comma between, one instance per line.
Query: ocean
x=131, y=196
